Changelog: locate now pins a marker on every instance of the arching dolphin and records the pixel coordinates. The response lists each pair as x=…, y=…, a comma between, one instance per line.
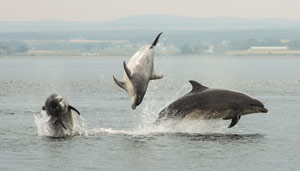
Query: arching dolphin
x=60, y=114
x=138, y=73
x=205, y=103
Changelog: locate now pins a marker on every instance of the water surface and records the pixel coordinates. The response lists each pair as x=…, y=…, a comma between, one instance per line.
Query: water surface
x=118, y=138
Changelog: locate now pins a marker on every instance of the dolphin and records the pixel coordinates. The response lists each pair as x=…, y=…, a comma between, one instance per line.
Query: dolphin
x=138, y=72
x=205, y=103
x=59, y=110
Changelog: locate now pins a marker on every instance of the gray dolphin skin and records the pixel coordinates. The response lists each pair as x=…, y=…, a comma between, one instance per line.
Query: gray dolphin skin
x=205, y=103
x=60, y=113
x=138, y=72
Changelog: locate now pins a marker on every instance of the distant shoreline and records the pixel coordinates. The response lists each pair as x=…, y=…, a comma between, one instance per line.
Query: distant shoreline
x=219, y=56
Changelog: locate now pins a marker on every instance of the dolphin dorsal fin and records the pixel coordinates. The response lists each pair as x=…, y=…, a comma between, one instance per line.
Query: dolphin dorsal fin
x=197, y=86
x=155, y=41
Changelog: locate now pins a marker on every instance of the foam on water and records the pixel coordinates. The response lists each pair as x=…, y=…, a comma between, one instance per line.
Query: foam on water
x=168, y=127
x=44, y=128
x=152, y=107
x=149, y=113
x=41, y=121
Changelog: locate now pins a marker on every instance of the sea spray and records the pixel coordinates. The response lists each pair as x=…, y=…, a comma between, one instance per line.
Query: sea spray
x=44, y=128
x=153, y=105
x=42, y=122
x=148, y=113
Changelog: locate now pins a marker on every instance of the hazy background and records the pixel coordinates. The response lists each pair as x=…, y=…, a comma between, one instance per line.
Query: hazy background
x=103, y=10
x=53, y=46
x=119, y=28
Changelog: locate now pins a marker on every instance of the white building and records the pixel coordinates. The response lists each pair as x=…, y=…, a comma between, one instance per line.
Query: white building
x=269, y=48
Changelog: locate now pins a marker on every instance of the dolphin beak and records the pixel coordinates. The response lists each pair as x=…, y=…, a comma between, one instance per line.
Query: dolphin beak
x=263, y=110
x=133, y=106
x=133, y=102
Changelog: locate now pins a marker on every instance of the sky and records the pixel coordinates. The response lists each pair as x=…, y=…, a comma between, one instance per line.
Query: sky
x=106, y=10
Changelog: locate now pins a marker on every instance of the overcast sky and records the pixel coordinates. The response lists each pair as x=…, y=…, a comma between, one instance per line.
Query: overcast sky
x=105, y=10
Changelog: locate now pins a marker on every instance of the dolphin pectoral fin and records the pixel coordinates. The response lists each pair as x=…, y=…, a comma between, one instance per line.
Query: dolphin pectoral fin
x=234, y=121
x=119, y=83
x=128, y=72
x=43, y=108
x=197, y=86
x=73, y=108
x=58, y=119
x=155, y=41
x=232, y=114
x=155, y=76
x=227, y=117
x=63, y=125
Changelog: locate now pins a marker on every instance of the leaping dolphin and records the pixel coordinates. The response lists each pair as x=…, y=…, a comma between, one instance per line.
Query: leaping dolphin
x=61, y=117
x=205, y=103
x=138, y=73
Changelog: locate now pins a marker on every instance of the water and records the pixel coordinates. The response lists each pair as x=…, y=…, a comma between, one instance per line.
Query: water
x=114, y=137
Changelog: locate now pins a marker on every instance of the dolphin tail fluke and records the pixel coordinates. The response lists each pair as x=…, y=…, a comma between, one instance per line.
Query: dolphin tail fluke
x=128, y=72
x=73, y=108
x=119, y=83
x=155, y=41
x=155, y=76
x=234, y=121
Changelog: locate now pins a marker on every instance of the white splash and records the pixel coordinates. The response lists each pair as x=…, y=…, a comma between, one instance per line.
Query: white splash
x=167, y=127
x=149, y=113
x=152, y=107
x=42, y=121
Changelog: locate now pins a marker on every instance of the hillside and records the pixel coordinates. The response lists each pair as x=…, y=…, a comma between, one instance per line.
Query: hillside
x=153, y=22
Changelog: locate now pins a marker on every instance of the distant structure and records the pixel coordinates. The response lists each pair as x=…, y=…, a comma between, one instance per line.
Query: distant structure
x=210, y=50
x=271, y=48
x=265, y=50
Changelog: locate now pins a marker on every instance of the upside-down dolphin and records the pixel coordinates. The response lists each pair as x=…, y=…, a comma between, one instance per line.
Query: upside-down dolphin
x=60, y=113
x=138, y=72
x=205, y=103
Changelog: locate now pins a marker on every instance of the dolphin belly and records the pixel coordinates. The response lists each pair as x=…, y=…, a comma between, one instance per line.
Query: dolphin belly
x=68, y=120
x=58, y=128
x=138, y=72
